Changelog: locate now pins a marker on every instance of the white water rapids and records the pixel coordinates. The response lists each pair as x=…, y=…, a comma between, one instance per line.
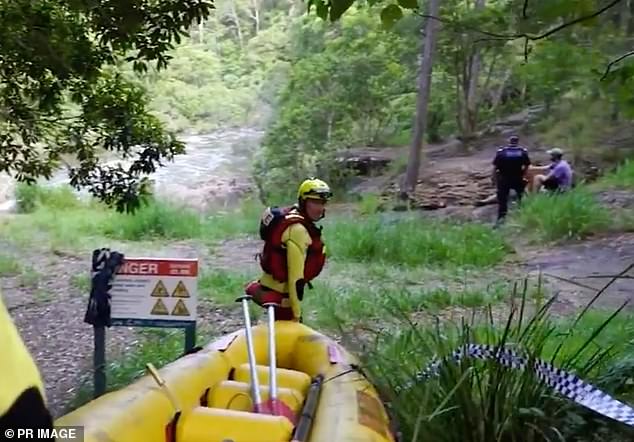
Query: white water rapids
x=214, y=171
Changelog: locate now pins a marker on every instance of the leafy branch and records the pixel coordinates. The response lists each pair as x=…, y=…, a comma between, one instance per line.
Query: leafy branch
x=493, y=36
x=615, y=61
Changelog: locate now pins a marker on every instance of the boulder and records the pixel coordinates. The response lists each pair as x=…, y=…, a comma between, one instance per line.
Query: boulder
x=365, y=161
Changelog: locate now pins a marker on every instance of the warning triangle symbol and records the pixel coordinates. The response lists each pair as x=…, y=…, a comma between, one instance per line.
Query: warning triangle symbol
x=180, y=309
x=160, y=291
x=180, y=291
x=159, y=308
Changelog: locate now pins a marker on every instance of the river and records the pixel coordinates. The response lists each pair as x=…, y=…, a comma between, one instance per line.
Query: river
x=214, y=172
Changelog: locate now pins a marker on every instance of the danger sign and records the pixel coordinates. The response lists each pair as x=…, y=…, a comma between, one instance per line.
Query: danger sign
x=155, y=288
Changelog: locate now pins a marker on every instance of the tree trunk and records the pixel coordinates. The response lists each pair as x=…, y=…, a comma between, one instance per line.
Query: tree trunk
x=497, y=97
x=422, y=99
x=471, y=96
x=236, y=21
x=256, y=15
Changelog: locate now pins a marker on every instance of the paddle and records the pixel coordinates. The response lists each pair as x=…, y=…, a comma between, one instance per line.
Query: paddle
x=255, y=385
x=272, y=405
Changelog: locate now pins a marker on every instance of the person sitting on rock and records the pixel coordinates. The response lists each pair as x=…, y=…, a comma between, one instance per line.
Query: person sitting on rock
x=293, y=252
x=559, y=177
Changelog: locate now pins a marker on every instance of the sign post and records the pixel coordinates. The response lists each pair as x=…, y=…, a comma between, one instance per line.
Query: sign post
x=150, y=292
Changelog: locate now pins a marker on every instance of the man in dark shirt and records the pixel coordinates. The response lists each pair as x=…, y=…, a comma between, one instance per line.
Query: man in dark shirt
x=509, y=166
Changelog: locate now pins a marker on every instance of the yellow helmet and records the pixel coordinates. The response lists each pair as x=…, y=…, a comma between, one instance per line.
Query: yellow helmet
x=314, y=189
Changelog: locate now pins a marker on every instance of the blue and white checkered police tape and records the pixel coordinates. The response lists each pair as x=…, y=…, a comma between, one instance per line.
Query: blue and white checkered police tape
x=561, y=381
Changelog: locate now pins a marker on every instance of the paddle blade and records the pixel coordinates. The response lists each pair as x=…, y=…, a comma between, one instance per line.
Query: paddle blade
x=277, y=407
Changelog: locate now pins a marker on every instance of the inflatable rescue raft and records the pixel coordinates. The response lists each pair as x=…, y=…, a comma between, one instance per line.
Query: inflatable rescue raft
x=319, y=395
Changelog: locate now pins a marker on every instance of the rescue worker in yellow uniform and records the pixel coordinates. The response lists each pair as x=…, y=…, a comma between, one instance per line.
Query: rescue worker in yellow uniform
x=293, y=252
x=22, y=394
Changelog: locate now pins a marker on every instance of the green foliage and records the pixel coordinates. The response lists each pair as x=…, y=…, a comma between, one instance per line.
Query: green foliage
x=29, y=197
x=58, y=216
x=369, y=204
x=622, y=177
x=328, y=105
x=219, y=78
x=9, y=265
x=339, y=307
x=156, y=220
x=163, y=220
x=506, y=403
x=221, y=286
x=571, y=215
x=413, y=242
x=60, y=92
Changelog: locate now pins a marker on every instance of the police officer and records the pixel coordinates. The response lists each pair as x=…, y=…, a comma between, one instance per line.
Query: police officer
x=509, y=166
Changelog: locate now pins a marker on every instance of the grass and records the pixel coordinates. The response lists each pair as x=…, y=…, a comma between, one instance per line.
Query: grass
x=481, y=401
x=333, y=307
x=572, y=215
x=221, y=286
x=30, y=198
x=343, y=301
x=413, y=242
x=81, y=282
x=370, y=204
x=622, y=177
x=29, y=277
x=62, y=220
x=9, y=265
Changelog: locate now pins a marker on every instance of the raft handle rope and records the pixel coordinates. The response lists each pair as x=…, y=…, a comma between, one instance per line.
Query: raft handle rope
x=566, y=384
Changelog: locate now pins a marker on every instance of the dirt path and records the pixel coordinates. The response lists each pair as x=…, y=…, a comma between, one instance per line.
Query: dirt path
x=577, y=271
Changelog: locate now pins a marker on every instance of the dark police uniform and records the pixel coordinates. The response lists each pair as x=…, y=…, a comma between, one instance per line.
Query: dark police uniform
x=510, y=164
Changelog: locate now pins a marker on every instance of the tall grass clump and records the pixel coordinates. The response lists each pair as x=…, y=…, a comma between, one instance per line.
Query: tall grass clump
x=621, y=177
x=156, y=219
x=165, y=220
x=58, y=216
x=482, y=400
x=370, y=203
x=349, y=307
x=571, y=215
x=9, y=265
x=30, y=197
x=413, y=242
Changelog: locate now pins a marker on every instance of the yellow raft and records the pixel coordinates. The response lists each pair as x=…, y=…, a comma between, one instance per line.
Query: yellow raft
x=316, y=378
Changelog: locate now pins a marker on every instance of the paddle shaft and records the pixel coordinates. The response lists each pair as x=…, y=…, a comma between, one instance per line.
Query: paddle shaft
x=255, y=385
x=272, y=361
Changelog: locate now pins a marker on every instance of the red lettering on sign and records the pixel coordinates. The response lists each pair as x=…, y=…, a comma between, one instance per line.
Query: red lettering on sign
x=159, y=267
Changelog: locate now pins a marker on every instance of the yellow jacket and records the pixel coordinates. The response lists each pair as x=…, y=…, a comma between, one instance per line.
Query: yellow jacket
x=22, y=394
x=296, y=239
